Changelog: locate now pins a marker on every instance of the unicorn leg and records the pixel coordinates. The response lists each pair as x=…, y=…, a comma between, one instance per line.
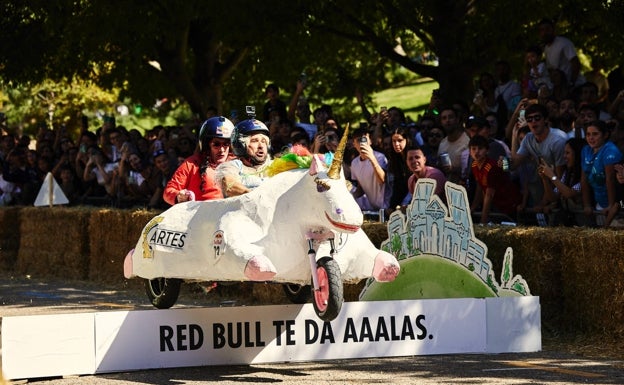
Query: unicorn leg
x=386, y=267
x=260, y=268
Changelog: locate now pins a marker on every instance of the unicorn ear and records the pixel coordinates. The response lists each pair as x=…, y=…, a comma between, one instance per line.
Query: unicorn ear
x=316, y=165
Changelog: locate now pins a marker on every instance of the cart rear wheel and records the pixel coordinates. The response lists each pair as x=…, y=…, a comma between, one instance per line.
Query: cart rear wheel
x=163, y=292
x=328, y=298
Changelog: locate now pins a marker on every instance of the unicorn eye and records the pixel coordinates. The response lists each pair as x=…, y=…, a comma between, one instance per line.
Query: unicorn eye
x=321, y=185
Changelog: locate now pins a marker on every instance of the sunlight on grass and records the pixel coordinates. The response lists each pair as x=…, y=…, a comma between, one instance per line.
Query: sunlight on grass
x=412, y=99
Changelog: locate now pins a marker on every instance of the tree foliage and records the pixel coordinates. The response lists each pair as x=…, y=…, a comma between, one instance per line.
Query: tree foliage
x=469, y=36
x=222, y=54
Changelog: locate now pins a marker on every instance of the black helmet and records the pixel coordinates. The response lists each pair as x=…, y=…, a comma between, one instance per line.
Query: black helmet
x=215, y=127
x=243, y=129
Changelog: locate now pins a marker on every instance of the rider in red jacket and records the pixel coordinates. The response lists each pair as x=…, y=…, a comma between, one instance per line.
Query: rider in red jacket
x=195, y=177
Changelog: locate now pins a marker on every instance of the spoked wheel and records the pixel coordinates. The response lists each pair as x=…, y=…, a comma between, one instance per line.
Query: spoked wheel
x=329, y=297
x=163, y=292
x=297, y=293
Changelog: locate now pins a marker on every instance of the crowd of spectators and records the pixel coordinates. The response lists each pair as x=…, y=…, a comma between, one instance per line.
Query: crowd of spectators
x=112, y=166
x=541, y=147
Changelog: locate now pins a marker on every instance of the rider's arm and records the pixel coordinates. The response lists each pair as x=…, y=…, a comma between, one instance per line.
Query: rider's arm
x=228, y=178
x=231, y=186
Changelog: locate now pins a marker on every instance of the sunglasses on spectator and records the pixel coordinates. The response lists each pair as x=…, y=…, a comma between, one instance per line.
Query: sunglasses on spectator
x=534, y=118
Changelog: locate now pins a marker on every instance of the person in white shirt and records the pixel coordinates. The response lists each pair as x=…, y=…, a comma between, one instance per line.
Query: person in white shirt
x=454, y=144
x=560, y=53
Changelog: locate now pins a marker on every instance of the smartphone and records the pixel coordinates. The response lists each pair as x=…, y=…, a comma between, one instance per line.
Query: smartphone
x=383, y=109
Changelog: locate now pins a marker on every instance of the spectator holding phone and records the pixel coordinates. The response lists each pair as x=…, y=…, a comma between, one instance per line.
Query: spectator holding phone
x=563, y=195
x=542, y=142
x=369, y=171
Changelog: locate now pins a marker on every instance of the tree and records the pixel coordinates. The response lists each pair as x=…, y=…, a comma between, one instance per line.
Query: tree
x=147, y=48
x=222, y=54
x=467, y=36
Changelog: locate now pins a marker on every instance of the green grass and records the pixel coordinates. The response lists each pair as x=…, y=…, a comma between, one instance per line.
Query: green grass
x=429, y=276
x=412, y=98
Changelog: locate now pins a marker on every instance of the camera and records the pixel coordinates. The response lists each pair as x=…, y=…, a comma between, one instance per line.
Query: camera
x=251, y=111
x=363, y=139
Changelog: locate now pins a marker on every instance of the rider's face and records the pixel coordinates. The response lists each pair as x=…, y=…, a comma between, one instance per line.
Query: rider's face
x=219, y=150
x=258, y=147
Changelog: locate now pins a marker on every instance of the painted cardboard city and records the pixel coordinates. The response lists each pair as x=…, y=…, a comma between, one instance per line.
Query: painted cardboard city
x=440, y=256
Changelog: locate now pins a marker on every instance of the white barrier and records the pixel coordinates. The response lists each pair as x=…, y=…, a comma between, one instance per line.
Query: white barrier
x=89, y=343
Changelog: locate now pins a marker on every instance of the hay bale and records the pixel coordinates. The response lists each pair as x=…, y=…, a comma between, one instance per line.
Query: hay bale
x=592, y=268
x=537, y=257
x=54, y=242
x=9, y=242
x=377, y=232
x=575, y=271
x=112, y=234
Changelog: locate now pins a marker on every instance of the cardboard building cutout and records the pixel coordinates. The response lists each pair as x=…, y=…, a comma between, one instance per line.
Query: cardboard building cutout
x=440, y=256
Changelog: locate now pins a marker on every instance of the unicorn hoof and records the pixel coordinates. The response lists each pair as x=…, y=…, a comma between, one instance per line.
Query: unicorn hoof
x=127, y=266
x=386, y=267
x=260, y=268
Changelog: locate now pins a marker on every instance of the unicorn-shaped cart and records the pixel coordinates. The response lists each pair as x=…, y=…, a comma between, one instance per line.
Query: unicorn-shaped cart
x=274, y=233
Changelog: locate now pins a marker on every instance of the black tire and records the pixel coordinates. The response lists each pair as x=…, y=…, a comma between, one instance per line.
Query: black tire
x=297, y=293
x=331, y=292
x=163, y=292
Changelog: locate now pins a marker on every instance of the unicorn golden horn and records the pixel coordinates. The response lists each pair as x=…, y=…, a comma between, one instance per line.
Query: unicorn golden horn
x=334, y=169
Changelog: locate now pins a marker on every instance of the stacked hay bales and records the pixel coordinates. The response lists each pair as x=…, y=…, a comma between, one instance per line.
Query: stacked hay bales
x=577, y=272
x=537, y=258
x=593, y=288
x=112, y=234
x=53, y=242
x=9, y=242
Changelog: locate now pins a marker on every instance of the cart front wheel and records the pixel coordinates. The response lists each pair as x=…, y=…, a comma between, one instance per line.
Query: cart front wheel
x=297, y=293
x=328, y=298
x=163, y=292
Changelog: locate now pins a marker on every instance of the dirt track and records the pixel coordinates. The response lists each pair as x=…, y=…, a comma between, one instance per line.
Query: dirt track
x=558, y=363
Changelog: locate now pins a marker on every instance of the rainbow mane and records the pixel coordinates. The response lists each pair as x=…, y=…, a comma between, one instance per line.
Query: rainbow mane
x=298, y=157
